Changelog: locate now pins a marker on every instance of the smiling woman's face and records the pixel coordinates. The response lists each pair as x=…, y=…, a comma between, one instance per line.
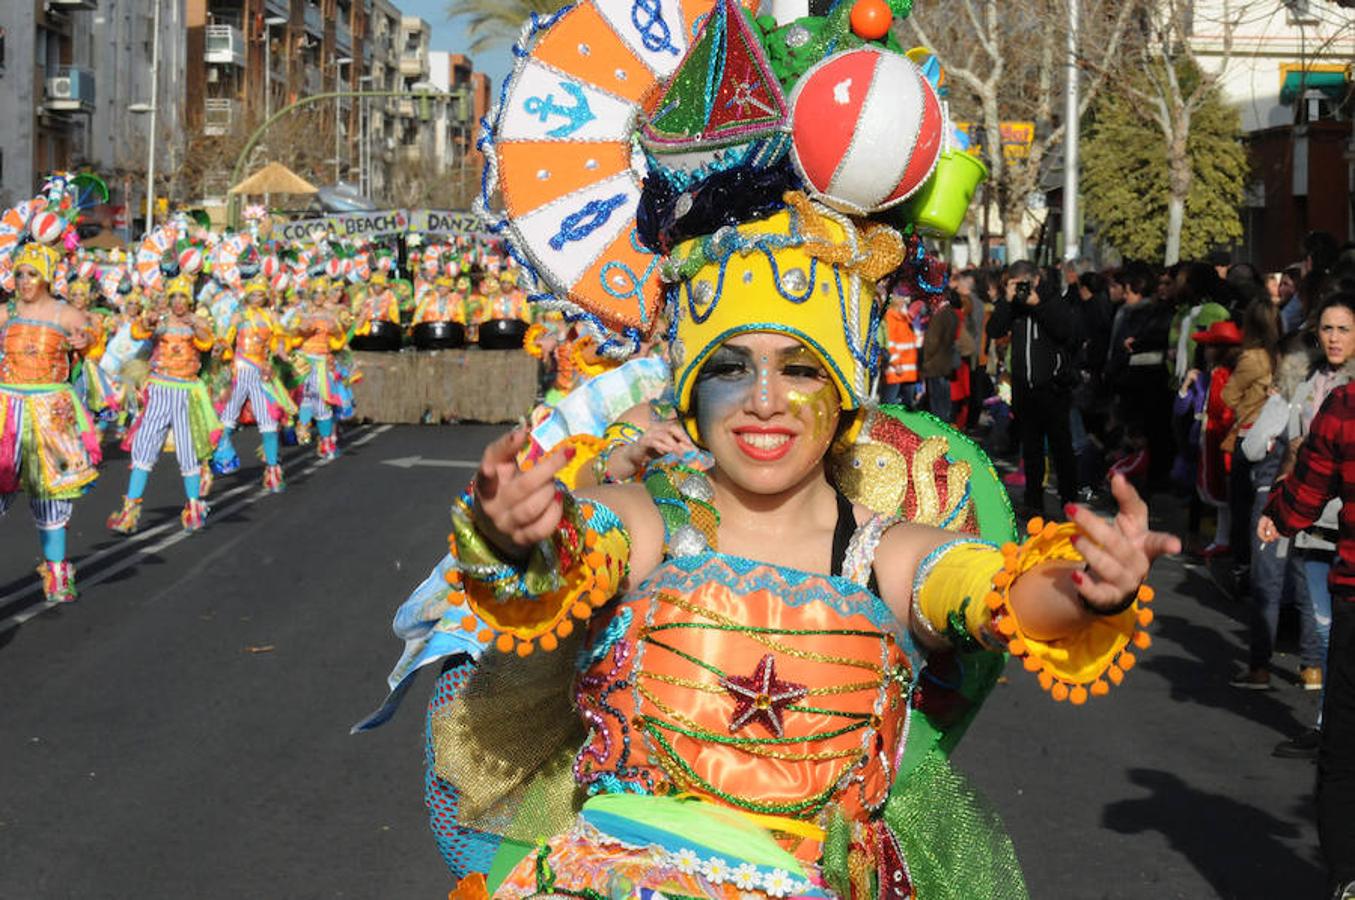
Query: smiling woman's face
x=767, y=410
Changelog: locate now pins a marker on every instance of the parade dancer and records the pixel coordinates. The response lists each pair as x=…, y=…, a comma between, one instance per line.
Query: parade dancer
x=48, y=446
x=322, y=333
x=254, y=338
x=642, y=694
x=177, y=400
x=441, y=304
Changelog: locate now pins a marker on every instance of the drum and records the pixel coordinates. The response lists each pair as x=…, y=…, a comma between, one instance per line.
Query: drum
x=439, y=335
x=502, y=334
x=383, y=337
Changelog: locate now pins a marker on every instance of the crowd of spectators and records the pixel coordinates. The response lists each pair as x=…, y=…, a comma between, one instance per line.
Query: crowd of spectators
x=1197, y=380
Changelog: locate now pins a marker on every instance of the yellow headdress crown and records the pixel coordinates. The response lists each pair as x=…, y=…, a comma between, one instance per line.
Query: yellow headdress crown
x=256, y=286
x=180, y=284
x=806, y=272
x=40, y=257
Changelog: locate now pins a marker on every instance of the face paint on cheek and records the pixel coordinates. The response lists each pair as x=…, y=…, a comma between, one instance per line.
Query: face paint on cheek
x=717, y=397
x=820, y=406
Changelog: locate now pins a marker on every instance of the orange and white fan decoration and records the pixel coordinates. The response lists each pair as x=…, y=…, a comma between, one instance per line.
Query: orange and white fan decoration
x=151, y=252
x=226, y=261
x=560, y=156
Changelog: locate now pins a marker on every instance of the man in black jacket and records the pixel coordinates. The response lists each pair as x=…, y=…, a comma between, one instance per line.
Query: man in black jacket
x=1042, y=326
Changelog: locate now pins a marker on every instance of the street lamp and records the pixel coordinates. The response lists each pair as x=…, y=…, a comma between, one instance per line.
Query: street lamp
x=338, y=65
x=364, y=150
x=151, y=109
x=269, y=24
x=142, y=109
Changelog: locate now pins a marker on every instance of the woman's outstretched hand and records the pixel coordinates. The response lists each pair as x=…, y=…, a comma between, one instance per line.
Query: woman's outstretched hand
x=516, y=509
x=1119, y=552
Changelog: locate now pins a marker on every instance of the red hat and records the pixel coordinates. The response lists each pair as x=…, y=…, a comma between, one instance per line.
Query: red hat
x=1222, y=333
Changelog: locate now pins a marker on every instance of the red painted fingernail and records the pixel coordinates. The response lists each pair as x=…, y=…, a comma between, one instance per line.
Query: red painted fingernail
x=1073, y=539
x=1077, y=578
x=1070, y=509
x=570, y=452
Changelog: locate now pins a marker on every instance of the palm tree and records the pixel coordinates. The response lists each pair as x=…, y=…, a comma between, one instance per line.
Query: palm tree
x=491, y=23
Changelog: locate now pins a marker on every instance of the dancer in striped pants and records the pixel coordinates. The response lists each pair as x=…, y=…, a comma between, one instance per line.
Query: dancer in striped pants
x=48, y=446
x=175, y=398
x=322, y=332
x=254, y=337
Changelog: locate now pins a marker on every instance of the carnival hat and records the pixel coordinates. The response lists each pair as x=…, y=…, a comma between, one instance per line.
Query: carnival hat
x=42, y=258
x=1223, y=334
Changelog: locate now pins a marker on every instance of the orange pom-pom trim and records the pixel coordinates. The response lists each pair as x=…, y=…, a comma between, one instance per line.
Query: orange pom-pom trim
x=1052, y=541
x=504, y=643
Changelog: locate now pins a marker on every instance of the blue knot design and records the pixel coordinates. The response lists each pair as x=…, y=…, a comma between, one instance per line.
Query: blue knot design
x=578, y=225
x=647, y=17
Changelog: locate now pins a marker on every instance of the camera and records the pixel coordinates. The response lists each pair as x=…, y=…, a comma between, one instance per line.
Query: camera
x=1021, y=298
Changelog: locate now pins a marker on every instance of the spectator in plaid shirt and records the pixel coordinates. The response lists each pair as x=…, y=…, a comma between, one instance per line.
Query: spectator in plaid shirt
x=1325, y=470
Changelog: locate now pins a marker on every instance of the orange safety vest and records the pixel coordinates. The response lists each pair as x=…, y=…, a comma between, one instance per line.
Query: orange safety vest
x=901, y=348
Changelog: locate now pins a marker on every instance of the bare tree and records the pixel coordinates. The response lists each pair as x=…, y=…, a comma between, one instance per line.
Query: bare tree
x=1005, y=63
x=1162, y=51
x=302, y=141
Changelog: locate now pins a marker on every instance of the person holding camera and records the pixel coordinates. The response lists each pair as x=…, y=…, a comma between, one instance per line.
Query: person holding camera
x=1041, y=326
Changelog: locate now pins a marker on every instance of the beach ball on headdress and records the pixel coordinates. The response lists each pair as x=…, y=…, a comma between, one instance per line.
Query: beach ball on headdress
x=190, y=260
x=46, y=227
x=279, y=281
x=867, y=129
x=89, y=270
x=270, y=266
x=334, y=267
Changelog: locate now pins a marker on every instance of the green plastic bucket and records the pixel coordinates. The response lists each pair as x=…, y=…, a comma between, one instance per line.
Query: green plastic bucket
x=939, y=207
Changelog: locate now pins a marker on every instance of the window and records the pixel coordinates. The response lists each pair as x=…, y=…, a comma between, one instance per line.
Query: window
x=1299, y=12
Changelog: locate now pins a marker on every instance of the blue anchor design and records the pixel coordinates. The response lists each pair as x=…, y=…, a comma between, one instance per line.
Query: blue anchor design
x=578, y=115
x=655, y=34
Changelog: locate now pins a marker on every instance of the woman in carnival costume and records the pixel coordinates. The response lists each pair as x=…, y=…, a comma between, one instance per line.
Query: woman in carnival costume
x=176, y=399
x=322, y=332
x=99, y=391
x=741, y=678
x=48, y=446
x=253, y=339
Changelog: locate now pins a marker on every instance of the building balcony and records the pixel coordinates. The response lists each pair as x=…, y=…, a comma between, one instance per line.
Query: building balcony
x=315, y=20
x=225, y=45
x=69, y=91
x=343, y=36
x=314, y=82
x=218, y=116
x=278, y=8
x=72, y=5
x=406, y=109
x=414, y=65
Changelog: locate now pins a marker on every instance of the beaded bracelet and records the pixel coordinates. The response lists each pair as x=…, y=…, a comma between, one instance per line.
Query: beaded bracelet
x=1052, y=541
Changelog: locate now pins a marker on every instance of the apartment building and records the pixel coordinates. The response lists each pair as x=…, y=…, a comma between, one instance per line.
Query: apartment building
x=1286, y=65
x=75, y=89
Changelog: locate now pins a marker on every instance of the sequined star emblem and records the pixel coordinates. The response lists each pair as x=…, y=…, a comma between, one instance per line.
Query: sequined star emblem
x=761, y=696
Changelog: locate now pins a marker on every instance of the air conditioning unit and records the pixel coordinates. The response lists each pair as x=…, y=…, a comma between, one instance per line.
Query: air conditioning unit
x=71, y=90
x=213, y=75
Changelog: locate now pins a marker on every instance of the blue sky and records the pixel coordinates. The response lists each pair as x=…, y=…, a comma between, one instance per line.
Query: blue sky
x=451, y=37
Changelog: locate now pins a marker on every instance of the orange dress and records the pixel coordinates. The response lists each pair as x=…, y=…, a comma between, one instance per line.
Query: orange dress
x=48, y=444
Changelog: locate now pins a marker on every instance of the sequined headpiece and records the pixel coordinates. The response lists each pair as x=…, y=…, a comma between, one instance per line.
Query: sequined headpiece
x=181, y=284
x=760, y=139
x=40, y=257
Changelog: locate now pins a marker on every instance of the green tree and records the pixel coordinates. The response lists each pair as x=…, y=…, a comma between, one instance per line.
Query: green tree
x=1128, y=164
x=494, y=23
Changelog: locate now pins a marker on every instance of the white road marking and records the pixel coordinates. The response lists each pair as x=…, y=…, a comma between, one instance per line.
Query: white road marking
x=254, y=492
x=409, y=462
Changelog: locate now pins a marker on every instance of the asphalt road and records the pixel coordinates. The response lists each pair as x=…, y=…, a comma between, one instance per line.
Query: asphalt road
x=182, y=731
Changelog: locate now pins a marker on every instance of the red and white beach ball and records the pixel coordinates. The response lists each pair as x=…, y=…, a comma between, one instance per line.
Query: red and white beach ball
x=280, y=281
x=190, y=261
x=270, y=266
x=866, y=129
x=334, y=267
x=46, y=227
